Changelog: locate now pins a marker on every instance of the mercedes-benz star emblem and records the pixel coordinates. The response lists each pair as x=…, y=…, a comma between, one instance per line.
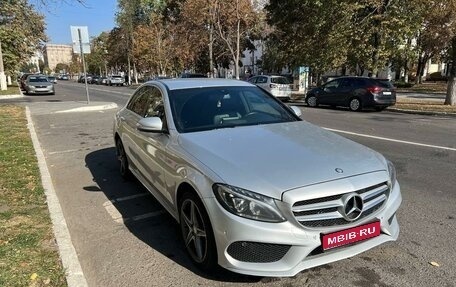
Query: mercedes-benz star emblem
x=339, y=170
x=352, y=206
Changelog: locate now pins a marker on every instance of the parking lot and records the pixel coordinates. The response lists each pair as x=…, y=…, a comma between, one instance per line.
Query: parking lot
x=123, y=236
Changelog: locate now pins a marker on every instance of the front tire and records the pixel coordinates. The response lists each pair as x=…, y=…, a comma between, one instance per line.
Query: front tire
x=312, y=101
x=197, y=233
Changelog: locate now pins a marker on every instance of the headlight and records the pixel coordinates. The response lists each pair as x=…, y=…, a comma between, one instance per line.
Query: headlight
x=392, y=174
x=247, y=204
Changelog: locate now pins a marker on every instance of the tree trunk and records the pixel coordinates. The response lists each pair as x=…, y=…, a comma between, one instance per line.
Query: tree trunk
x=419, y=69
x=238, y=40
x=451, y=90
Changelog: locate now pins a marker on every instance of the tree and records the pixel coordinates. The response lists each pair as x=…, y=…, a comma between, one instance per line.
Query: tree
x=153, y=47
x=234, y=22
x=61, y=67
x=21, y=32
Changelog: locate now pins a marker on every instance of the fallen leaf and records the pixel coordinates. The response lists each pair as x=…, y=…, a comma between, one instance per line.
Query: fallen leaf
x=33, y=276
x=434, y=264
x=47, y=281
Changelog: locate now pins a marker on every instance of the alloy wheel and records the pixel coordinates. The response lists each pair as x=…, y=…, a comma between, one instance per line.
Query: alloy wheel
x=193, y=230
x=312, y=101
x=355, y=104
x=122, y=157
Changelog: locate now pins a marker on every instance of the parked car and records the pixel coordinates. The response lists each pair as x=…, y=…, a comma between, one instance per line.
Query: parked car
x=64, y=77
x=278, y=86
x=93, y=80
x=192, y=75
x=103, y=81
x=253, y=187
x=82, y=78
x=38, y=84
x=22, y=80
x=52, y=79
x=356, y=93
x=116, y=80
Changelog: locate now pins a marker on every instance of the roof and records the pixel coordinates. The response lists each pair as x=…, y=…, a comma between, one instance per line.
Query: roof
x=189, y=83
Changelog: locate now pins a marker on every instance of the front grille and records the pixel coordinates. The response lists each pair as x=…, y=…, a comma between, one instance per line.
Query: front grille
x=256, y=252
x=327, y=211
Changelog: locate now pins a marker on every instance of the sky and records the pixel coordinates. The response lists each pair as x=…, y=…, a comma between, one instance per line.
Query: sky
x=97, y=15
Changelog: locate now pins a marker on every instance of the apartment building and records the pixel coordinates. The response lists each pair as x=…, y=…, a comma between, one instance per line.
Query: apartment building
x=57, y=53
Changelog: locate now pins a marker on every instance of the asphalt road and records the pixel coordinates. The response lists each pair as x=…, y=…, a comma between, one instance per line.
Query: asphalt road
x=124, y=238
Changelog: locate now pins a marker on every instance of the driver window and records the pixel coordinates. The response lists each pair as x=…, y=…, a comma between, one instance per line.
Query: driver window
x=155, y=106
x=332, y=85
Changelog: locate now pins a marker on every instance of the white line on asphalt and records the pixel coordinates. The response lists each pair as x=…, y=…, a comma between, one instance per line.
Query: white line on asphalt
x=144, y=216
x=74, y=275
x=129, y=197
x=63, y=151
x=114, y=92
x=391, y=140
x=117, y=216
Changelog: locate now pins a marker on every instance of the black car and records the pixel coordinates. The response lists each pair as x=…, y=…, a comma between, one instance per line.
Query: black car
x=356, y=93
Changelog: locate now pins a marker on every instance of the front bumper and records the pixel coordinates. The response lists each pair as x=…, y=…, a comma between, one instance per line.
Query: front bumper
x=49, y=90
x=304, y=243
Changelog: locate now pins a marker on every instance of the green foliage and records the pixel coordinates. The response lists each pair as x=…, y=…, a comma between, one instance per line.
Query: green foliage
x=21, y=32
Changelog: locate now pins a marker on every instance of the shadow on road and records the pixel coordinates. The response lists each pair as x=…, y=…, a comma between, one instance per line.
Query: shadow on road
x=160, y=232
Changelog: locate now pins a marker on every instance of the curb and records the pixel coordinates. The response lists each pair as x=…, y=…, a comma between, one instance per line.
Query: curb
x=425, y=113
x=74, y=275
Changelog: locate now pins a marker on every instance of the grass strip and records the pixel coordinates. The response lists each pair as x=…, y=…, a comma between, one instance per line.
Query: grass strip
x=28, y=252
x=10, y=90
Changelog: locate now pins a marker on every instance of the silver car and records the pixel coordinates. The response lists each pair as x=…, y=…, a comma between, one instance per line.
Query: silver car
x=278, y=86
x=38, y=84
x=254, y=188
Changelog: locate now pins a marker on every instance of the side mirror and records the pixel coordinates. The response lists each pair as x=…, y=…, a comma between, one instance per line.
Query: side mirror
x=150, y=125
x=296, y=110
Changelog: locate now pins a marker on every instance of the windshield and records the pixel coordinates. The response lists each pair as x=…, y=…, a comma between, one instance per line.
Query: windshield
x=35, y=79
x=200, y=109
x=280, y=80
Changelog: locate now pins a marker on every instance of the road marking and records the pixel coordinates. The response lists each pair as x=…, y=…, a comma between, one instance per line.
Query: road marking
x=391, y=140
x=63, y=151
x=114, y=92
x=129, y=197
x=74, y=275
x=118, y=217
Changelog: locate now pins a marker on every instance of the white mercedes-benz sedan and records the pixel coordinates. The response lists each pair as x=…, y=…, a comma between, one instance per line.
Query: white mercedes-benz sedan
x=254, y=188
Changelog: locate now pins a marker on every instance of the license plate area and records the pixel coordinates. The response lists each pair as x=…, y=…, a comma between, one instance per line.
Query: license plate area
x=350, y=235
x=387, y=93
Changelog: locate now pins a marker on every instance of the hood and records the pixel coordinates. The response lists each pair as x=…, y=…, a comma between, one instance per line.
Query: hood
x=271, y=159
x=39, y=84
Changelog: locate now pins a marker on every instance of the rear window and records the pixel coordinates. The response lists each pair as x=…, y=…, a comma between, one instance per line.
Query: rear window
x=385, y=83
x=280, y=80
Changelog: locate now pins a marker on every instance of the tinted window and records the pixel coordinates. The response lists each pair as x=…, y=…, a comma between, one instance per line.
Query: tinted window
x=200, y=109
x=358, y=83
x=280, y=80
x=262, y=80
x=385, y=84
x=253, y=80
x=37, y=79
x=333, y=84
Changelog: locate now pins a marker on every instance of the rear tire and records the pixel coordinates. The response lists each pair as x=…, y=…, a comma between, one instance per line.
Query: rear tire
x=355, y=105
x=123, y=159
x=197, y=233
